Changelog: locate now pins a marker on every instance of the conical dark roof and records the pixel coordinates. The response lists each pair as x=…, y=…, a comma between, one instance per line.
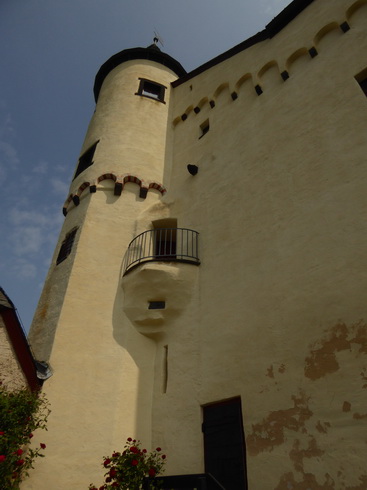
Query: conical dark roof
x=152, y=53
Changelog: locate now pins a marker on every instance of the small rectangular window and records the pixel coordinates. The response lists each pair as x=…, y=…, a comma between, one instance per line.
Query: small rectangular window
x=204, y=128
x=66, y=246
x=363, y=85
x=86, y=160
x=152, y=90
x=362, y=80
x=157, y=305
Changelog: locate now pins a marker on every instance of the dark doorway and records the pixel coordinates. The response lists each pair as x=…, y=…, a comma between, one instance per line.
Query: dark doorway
x=165, y=243
x=224, y=445
x=165, y=237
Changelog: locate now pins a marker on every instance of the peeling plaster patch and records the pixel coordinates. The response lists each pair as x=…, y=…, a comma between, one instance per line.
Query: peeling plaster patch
x=270, y=432
x=281, y=368
x=364, y=377
x=322, y=428
x=322, y=359
x=309, y=482
x=346, y=407
x=297, y=454
x=270, y=373
x=358, y=416
x=362, y=486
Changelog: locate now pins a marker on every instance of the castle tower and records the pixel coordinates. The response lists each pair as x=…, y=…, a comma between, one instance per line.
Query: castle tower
x=250, y=367
x=101, y=391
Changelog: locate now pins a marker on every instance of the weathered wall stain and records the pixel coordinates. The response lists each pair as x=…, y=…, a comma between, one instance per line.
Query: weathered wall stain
x=362, y=486
x=270, y=432
x=270, y=372
x=358, y=416
x=291, y=426
x=322, y=427
x=287, y=482
x=347, y=407
x=364, y=377
x=322, y=359
x=297, y=454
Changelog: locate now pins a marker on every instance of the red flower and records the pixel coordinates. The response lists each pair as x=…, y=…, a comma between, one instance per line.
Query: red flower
x=43, y=446
x=164, y=456
x=134, y=462
x=129, y=439
x=144, y=451
x=158, y=449
x=2, y=457
x=151, y=472
x=19, y=452
x=2, y=433
x=108, y=479
x=107, y=461
x=19, y=462
x=113, y=472
x=134, y=450
x=30, y=436
x=115, y=455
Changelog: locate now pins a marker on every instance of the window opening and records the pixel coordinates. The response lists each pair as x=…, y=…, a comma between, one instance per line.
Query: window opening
x=152, y=90
x=165, y=369
x=86, y=160
x=66, y=246
x=165, y=238
x=204, y=128
x=363, y=85
x=157, y=305
x=362, y=80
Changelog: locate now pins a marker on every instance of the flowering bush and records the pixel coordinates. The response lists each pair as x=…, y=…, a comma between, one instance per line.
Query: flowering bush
x=127, y=470
x=21, y=413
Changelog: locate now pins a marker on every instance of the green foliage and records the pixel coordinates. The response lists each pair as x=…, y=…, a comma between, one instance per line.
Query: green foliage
x=21, y=413
x=127, y=470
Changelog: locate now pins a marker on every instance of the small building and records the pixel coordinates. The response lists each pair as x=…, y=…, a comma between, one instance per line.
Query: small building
x=17, y=366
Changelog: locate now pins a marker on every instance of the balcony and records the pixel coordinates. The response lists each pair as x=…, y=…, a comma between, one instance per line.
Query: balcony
x=162, y=244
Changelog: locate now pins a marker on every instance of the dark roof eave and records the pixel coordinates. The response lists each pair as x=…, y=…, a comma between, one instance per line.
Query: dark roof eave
x=271, y=29
x=135, y=54
x=260, y=36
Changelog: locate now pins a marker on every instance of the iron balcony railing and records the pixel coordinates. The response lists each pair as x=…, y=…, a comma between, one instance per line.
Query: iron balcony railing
x=163, y=244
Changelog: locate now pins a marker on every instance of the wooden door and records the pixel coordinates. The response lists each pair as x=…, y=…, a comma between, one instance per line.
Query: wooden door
x=224, y=446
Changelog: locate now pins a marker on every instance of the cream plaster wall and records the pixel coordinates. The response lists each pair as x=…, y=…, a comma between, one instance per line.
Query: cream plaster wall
x=279, y=313
x=275, y=313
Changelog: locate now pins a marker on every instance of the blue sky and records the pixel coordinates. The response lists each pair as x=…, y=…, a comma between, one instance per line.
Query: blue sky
x=50, y=52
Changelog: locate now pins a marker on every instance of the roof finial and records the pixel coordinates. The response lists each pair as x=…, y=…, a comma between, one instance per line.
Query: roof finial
x=157, y=38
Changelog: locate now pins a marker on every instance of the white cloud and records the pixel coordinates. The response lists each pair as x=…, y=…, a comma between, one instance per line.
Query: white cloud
x=27, y=240
x=21, y=218
x=25, y=269
x=8, y=154
x=40, y=168
x=9, y=158
x=34, y=233
x=60, y=186
x=272, y=8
